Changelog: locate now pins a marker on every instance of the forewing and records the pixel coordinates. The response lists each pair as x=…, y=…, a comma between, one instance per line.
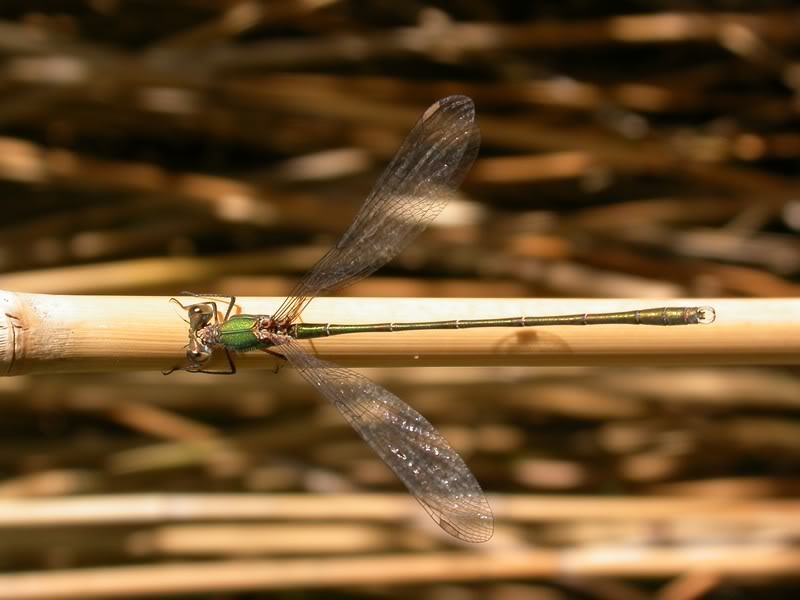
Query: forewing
x=418, y=182
x=432, y=471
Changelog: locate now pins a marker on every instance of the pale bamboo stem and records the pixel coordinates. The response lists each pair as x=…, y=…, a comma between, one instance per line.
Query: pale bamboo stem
x=47, y=334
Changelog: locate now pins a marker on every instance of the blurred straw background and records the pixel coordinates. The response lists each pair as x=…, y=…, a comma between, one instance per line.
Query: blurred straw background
x=634, y=149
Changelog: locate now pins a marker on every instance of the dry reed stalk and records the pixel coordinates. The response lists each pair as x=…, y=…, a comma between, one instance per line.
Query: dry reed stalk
x=162, y=508
x=744, y=560
x=47, y=334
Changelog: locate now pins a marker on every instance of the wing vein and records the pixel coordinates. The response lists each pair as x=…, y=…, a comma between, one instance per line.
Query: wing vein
x=413, y=189
x=410, y=446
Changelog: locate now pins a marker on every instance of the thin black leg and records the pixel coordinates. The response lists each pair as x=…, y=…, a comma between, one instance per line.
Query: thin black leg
x=277, y=355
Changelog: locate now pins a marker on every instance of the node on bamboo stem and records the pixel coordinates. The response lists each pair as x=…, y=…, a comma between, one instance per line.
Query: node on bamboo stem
x=10, y=328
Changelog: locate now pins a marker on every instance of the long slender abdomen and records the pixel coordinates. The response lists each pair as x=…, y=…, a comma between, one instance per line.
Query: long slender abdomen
x=662, y=316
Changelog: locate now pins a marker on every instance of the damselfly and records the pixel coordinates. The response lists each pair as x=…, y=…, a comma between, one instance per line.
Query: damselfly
x=411, y=192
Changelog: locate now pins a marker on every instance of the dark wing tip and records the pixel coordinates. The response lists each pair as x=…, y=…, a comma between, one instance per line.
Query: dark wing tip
x=475, y=529
x=462, y=104
x=468, y=518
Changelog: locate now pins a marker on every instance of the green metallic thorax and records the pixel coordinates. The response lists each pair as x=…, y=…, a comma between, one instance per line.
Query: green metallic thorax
x=238, y=333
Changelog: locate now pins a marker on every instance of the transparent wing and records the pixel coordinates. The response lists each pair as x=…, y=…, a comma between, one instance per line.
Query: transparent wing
x=418, y=454
x=426, y=170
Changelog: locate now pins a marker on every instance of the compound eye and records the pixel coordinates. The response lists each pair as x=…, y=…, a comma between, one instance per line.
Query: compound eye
x=202, y=308
x=200, y=315
x=198, y=356
x=198, y=353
